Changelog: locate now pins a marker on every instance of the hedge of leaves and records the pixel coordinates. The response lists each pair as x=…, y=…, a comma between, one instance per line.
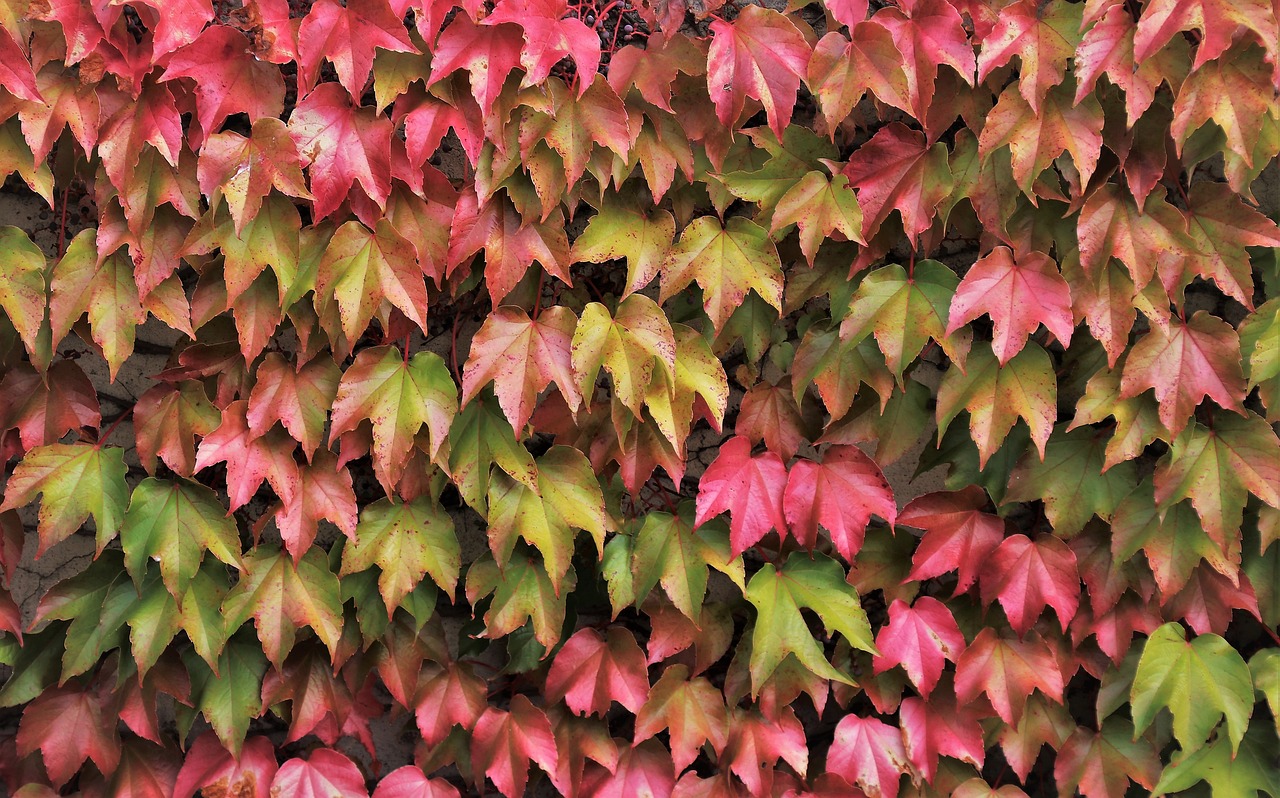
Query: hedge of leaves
x=535, y=367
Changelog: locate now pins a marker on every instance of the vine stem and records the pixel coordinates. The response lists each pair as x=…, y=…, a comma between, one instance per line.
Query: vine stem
x=103, y=438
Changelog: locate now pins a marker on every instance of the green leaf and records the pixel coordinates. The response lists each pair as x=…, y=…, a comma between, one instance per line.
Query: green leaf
x=628, y=345
x=230, y=695
x=36, y=666
x=407, y=541
x=22, y=284
x=1200, y=682
x=568, y=497
x=480, y=438
x=727, y=262
x=818, y=206
x=77, y=480
x=282, y=597
x=102, y=285
x=522, y=591
x=669, y=551
x=1241, y=773
x=97, y=602
x=815, y=583
x=621, y=230
x=1071, y=481
x=1265, y=668
x=201, y=611
x=175, y=522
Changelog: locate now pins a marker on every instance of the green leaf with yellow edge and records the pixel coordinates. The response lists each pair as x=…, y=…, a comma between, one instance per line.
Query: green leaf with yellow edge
x=1217, y=468
x=16, y=156
x=904, y=310
x=819, y=206
x=1173, y=540
x=200, y=610
x=788, y=161
x=1244, y=773
x=363, y=267
x=22, y=284
x=667, y=550
x=83, y=281
x=1071, y=482
x=728, y=262
x=282, y=597
x=621, y=230
x=814, y=582
x=230, y=695
x=997, y=396
x=270, y=238
x=522, y=592
x=698, y=374
x=1260, y=348
x=407, y=541
x=629, y=345
x=175, y=522
x=480, y=438
x=568, y=498
x=1200, y=682
x=398, y=396
x=77, y=480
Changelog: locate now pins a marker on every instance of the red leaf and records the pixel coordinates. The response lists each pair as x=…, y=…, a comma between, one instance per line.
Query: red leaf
x=249, y=459
x=958, y=534
x=839, y=494
x=1019, y=294
x=68, y=103
x=210, y=768
x=1043, y=37
x=756, y=743
x=590, y=673
x=769, y=413
x=920, y=638
x=940, y=728
x=229, y=80
x=869, y=753
x=1026, y=575
x=326, y=774
x=45, y=408
x=1008, y=670
x=344, y=144
x=247, y=169
x=692, y=710
x=346, y=34
x=410, y=782
x=929, y=34
x=510, y=244
x=644, y=769
x=324, y=491
x=550, y=35
x=67, y=726
x=504, y=742
x=15, y=70
x=749, y=488
x=487, y=52
x=452, y=696
x=898, y=169
x=761, y=55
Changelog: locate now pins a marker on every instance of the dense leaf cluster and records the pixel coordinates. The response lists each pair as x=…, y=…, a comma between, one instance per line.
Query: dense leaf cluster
x=535, y=364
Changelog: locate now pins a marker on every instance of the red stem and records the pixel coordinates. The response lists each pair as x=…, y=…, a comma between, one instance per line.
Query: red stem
x=62, y=227
x=103, y=438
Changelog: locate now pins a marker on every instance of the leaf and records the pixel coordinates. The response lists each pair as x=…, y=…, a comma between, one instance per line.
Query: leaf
x=511, y=245
x=644, y=769
x=1036, y=138
x=1173, y=544
x=487, y=52
x=283, y=597
x=1200, y=682
x=940, y=728
x=250, y=459
x=1072, y=482
x=175, y=523
x=727, y=262
x=325, y=774
x=246, y=169
x=898, y=169
x=324, y=492
x=344, y=144
x=1221, y=226
x=1258, y=333
x=22, y=284
x=504, y=742
x=590, y=673
x=815, y=583
x=868, y=753
x=691, y=710
x=480, y=438
x=269, y=238
x=1008, y=670
x=1043, y=38
x=209, y=767
x=298, y=396
x=398, y=396
x=407, y=541
x=69, y=726
x=959, y=536
x=929, y=34
x=410, y=782
x=102, y=285
x=522, y=591
x=1215, y=467
x=361, y=268
x=568, y=497
x=1019, y=293
x=77, y=481
x=761, y=55
x=756, y=743
x=595, y=116
x=346, y=37
x=769, y=413
x=522, y=356
x=1246, y=772
x=1104, y=763
x=620, y=230
x=45, y=408
x=1026, y=575
x=1214, y=19
x=839, y=494
x=819, y=206
x=167, y=419
x=229, y=79
x=996, y=396
x=448, y=697
x=750, y=488
x=668, y=550
x=919, y=637
x=841, y=72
